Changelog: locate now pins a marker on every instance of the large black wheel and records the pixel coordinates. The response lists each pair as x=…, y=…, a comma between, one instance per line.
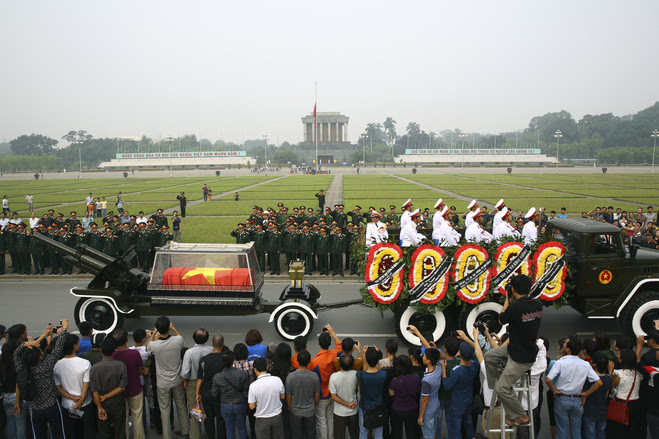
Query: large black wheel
x=100, y=312
x=639, y=314
x=434, y=324
x=293, y=319
x=487, y=312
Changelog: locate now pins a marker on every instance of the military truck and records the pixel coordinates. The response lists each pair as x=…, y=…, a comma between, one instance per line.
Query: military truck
x=607, y=278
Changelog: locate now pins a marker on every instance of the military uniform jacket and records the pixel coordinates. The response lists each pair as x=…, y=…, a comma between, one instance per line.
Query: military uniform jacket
x=110, y=245
x=260, y=241
x=241, y=237
x=78, y=239
x=357, y=218
x=142, y=242
x=72, y=223
x=274, y=241
x=281, y=218
x=126, y=239
x=21, y=242
x=3, y=241
x=159, y=221
x=339, y=244
x=323, y=244
x=307, y=243
x=291, y=242
x=164, y=238
x=36, y=247
x=95, y=240
x=341, y=219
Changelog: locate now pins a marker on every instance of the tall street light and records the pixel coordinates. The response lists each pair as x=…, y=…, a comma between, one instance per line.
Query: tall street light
x=265, y=158
x=463, y=136
x=363, y=136
x=557, y=136
x=79, y=142
x=170, y=139
x=655, y=135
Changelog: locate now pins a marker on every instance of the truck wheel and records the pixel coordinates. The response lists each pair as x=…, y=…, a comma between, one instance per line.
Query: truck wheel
x=487, y=312
x=433, y=323
x=100, y=312
x=292, y=320
x=640, y=313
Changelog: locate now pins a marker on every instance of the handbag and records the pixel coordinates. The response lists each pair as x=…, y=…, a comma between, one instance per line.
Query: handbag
x=618, y=411
x=376, y=416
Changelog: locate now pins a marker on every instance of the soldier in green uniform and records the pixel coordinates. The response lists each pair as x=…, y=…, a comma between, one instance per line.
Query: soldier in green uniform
x=274, y=248
x=323, y=247
x=64, y=237
x=53, y=257
x=22, y=255
x=291, y=244
x=340, y=216
x=356, y=216
x=260, y=238
x=110, y=243
x=143, y=247
x=307, y=248
x=338, y=250
x=125, y=238
x=152, y=232
x=164, y=236
x=159, y=219
x=79, y=236
x=37, y=252
x=254, y=216
x=10, y=229
x=72, y=221
x=95, y=238
x=391, y=217
x=350, y=234
x=242, y=237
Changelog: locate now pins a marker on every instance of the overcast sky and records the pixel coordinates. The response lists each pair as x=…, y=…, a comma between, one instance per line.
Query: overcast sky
x=239, y=70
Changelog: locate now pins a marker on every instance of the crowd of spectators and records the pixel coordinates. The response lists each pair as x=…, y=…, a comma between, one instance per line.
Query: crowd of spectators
x=100, y=385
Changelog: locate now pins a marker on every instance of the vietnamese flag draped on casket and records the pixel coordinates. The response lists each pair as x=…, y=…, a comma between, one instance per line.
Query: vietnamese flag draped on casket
x=207, y=277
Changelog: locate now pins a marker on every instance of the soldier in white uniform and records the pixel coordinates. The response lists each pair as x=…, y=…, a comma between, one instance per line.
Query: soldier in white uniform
x=405, y=217
x=505, y=228
x=448, y=236
x=408, y=235
x=530, y=230
x=476, y=233
x=437, y=220
x=499, y=215
x=469, y=215
x=376, y=231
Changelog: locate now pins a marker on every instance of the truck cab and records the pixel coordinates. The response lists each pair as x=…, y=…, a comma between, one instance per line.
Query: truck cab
x=607, y=278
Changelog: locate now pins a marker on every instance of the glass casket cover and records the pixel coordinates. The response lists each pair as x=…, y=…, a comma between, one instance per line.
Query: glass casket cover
x=206, y=267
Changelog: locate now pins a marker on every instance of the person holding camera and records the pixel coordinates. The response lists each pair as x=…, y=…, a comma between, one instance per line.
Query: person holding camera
x=523, y=317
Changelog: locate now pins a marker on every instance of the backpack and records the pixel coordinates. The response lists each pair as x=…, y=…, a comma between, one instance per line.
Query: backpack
x=26, y=385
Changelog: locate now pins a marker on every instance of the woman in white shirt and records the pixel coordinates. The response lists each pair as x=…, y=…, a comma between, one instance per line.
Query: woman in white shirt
x=626, y=385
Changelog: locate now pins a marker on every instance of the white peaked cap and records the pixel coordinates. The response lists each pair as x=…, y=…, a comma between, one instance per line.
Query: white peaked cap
x=472, y=204
x=499, y=204
x=407, y=203
x=415, y=213
x=471, y=214
x=504, y=212
x=439, y=203
x=444, y=211
x=377, y=214
x=531, y=213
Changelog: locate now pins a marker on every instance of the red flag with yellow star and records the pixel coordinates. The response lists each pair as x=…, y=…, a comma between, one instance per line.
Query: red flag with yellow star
x=207, y=276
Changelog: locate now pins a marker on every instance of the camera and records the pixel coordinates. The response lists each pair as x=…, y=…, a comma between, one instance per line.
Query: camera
x=324, y=329
x=479, y=325
x=509, y=291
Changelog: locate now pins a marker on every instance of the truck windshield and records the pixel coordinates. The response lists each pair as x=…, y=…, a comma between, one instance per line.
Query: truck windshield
x=604, y=244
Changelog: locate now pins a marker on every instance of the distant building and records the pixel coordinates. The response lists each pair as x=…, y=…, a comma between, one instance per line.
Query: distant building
x=332, y=127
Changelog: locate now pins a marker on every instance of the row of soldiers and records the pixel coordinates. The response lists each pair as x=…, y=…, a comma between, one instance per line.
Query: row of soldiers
x=32, y=256
x=321, y=246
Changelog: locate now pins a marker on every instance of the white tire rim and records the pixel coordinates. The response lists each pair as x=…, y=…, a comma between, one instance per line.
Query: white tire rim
x=638, y=314
x=285, y=312
x=85, y=305
x=413, y=339
x=481, y=308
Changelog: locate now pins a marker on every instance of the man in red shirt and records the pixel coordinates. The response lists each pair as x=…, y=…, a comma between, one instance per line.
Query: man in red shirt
x=323, y=365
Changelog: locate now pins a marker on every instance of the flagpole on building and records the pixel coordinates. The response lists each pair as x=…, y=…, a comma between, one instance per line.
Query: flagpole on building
x=315, y=124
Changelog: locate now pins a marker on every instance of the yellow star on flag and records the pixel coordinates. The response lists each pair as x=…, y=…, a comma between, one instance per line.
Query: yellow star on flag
x=208, y=273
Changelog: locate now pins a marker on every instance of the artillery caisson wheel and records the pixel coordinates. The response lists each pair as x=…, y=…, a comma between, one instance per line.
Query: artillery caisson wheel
x=100, y=312
x=434, y=324
x=639, y=314
x=486, y=312
x=292, y=320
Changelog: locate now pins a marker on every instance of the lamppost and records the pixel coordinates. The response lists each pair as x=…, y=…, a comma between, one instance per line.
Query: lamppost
x=79, y=142
x=655, y=135
x=363, y=136
x=463, y=136
x=557, y=136
x=265, y=157
x=170, y=139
